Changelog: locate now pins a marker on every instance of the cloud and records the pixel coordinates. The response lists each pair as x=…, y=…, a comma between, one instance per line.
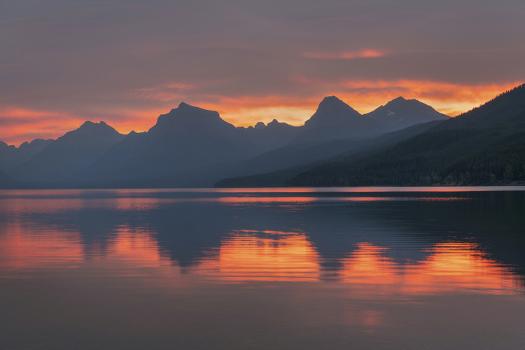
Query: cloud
x=346, y=55
x=128, y=61
x=449, y=98
x=21, y=124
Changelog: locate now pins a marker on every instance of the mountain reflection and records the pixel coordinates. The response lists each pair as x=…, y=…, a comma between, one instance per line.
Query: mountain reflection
x=372, y=245
x=137, y=248
x=451, y=267
x=268, y=257
x=247, y=256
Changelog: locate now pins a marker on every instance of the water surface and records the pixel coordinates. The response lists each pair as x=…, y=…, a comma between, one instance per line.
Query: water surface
x=299, y=268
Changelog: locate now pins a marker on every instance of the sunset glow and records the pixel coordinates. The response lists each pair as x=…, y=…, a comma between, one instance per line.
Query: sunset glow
x=278, y=256
x=450, y=267
x=245, y=258
x=20, y=250
x=287, y=174
x=346, y=55
x=25, y=123
x=251, y=61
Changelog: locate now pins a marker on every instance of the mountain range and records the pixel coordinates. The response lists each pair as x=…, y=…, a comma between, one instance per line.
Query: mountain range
x=402, y=142
x=485, y=146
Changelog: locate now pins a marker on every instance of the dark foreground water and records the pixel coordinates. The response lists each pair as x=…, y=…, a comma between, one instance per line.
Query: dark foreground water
x=263, y=269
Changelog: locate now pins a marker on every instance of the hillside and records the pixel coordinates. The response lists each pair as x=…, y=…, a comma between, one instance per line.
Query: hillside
x=481, y=147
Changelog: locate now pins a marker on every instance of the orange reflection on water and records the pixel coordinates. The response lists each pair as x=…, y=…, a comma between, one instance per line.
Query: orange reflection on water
x=15, y=206
x=139, y=248
x=271, y=232
x=261, y=258
x=450, y=267
x=277, y=256
x=241, y=200
x=268, y=256
x=22, y=250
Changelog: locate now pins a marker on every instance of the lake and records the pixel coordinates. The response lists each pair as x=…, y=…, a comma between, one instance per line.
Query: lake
x=293, y=268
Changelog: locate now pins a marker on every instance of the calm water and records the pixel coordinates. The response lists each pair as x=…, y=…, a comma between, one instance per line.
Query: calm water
x=360, y=268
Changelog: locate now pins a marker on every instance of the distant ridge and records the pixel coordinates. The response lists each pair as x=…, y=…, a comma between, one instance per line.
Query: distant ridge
x=59, y=161
x=401, y=113
x=402, y=142
x=482, y=147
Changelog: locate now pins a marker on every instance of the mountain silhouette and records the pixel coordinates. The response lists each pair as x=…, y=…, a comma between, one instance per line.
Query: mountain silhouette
x=30, y=149
x=11, y=156
x=7, y=155
x=187, y=117
x=332, y=112
x=177, y=150
x=266, y=137
x=333, y=129
x=334, y=119
x=295, y=159
x=58, y=161
x=401, y=113
x=483, y=146
x=191, y=146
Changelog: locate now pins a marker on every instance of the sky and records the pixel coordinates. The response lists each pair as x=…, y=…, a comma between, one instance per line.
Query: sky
x=127, y=61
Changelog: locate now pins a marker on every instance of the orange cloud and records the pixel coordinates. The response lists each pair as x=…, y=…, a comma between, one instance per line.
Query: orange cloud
x=165, y=92
x=448, y=98
x=345, y=55
x=21, y=124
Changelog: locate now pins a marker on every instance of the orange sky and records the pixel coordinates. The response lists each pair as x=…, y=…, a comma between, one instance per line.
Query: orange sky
x=22, y=123
x=126, y=62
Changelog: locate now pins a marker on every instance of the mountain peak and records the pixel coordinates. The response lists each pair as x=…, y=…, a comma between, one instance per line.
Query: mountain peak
x=401, y=113
x=333, y=104
x=399, y=99
x=187, y=116
x=185, y=109
x=332, y=111
x=90, y=129
x=332, y=101
x=331, y=98
x=89, y=125
x=189, y=107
